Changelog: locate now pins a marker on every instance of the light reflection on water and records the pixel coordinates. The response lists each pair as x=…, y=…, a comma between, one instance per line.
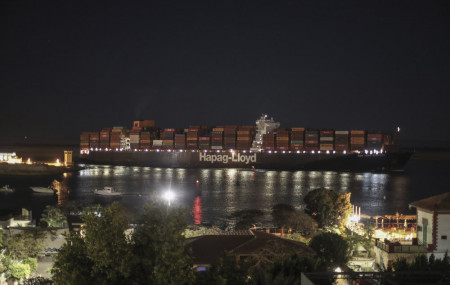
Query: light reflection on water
x=220, y=192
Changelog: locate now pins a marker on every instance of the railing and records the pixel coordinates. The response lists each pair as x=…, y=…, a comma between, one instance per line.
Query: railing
x=392, y=248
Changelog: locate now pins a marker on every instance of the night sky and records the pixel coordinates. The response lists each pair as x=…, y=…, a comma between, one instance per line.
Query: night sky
x=73, y=66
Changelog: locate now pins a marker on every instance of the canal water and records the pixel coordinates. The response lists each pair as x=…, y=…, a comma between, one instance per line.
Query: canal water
x=213, y=194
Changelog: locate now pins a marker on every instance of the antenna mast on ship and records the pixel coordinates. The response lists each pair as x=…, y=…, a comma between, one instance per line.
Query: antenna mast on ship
x=263, y=126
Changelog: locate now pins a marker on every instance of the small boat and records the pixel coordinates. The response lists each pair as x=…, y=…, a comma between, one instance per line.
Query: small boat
x=39, y=189
x=107, y=191
x=6, y=189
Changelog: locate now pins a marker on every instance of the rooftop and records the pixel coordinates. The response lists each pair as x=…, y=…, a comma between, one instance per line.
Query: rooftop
x=206, y=249
x=436, y=203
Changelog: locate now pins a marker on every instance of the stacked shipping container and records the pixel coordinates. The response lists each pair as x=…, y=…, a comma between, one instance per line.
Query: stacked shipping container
x=145, y=141
x=229, y=137
x=268, y=141
x=357, y=140
x=217, y=138
x=204, y=142
x=374, y=140
x=245, y=137
x=192, y=137
x=168, y=138
x=341, y=140
x=326, y=140
x=282, y=139
x=180, y=141
x=297, y=138
x=143, y=136
x=311, y=140
x=135, y=138
x=105, y=137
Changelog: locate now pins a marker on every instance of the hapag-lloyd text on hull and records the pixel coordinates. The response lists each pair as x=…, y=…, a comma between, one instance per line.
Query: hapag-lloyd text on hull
x=226, y=158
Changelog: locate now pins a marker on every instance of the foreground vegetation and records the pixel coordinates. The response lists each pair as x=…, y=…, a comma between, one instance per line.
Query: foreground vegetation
x=153, y=250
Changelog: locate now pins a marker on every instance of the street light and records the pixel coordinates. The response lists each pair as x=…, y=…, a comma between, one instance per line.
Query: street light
x=169, y=195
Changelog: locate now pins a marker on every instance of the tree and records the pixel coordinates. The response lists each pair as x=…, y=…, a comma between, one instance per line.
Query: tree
x=284, y=215
x=368, y=229
x=329, y=207
x=331, y=248
x=107, y=245
x=53, y=216
x=28, y=243
x=32, y=262
x=102, y=256
x=37, y=281
x=421, y=270
x=160, y=256
x=354, y=241
x=245, y=219
x=3, y=258
x=195, y=231
x=19, y=270
x=72, y=264
x=110, y=253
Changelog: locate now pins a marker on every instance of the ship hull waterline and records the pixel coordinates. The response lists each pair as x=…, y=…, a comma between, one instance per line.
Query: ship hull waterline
x=270, y=161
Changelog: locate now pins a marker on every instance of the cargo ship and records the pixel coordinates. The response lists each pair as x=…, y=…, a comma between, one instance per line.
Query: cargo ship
x=261, y=146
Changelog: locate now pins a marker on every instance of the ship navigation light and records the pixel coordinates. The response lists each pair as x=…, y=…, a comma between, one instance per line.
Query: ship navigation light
x=328, y=152
x=298, y=151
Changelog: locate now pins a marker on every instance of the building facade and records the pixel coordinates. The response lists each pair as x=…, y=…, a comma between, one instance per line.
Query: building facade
x=433, y=223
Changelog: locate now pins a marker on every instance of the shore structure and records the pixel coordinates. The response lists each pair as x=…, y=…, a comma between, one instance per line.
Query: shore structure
x=12, y=165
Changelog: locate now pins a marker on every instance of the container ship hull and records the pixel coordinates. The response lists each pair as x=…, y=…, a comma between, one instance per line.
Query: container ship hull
x=238, y=159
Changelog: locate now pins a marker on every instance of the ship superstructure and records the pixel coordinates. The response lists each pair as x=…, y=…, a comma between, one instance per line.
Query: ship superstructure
x=263, y=127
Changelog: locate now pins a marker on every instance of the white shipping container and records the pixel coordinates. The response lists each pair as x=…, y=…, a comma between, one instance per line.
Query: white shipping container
x=326, y=139
x=157, y=142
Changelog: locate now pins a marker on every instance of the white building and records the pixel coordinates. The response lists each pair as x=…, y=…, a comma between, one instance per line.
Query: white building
x=433, y=223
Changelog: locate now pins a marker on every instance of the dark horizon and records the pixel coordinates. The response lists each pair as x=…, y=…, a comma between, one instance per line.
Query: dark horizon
x=69, y=67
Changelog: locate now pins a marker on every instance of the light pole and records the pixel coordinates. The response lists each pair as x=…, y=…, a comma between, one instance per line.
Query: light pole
x=169, y=195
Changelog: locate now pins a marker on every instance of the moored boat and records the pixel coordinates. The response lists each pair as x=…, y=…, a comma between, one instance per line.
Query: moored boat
x=107, y=191
x=46, y=190
x=7, y=189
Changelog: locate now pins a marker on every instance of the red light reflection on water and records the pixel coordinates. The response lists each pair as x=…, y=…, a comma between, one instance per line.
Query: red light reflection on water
x=197, y=210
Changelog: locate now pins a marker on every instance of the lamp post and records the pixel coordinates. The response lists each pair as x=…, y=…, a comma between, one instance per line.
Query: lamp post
x=169, y=195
